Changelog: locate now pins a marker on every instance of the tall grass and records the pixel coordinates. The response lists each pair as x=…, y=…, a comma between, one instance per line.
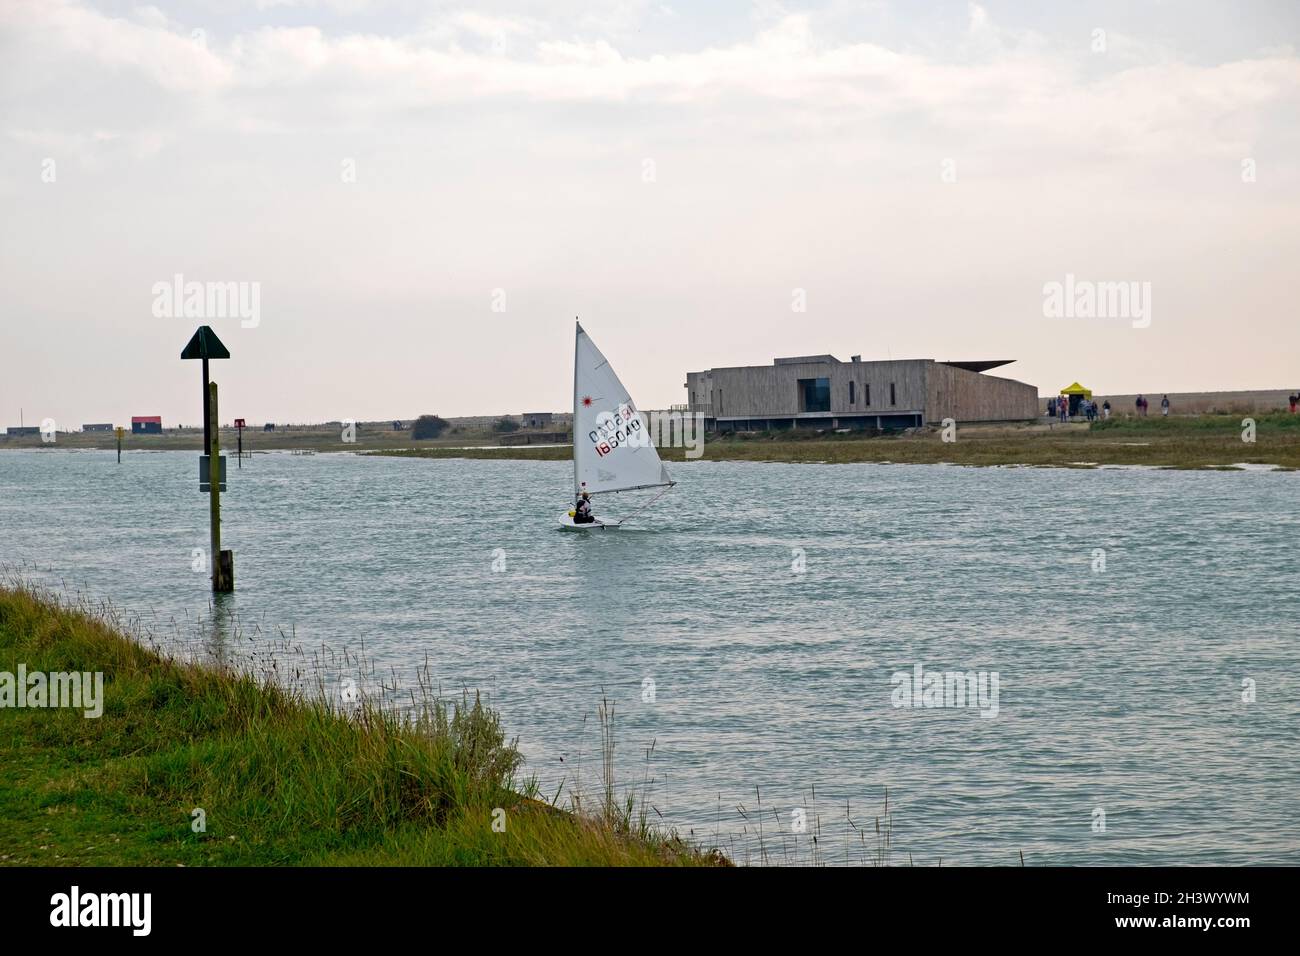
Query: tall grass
x=1222, y=422
x=277, y=776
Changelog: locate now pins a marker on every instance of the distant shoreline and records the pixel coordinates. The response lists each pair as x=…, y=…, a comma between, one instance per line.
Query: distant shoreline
x=1199, y=443
x=1181, y=441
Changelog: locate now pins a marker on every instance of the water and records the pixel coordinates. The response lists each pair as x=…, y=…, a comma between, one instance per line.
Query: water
x=1120, y=690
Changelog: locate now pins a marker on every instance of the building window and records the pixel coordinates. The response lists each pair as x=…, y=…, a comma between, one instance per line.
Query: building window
x=866, y=394
x=850, y=393
x=814, y=394
x=892, y=398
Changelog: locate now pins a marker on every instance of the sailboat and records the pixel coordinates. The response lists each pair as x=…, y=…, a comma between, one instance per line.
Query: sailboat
x=612, y=450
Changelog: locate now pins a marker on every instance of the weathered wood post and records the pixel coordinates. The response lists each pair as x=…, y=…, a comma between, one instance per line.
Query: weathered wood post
x=223, y=562
x=120, y=430
x=205, y=345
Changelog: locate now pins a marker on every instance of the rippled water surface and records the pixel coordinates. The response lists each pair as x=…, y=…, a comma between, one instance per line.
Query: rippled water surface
x=1120, y=690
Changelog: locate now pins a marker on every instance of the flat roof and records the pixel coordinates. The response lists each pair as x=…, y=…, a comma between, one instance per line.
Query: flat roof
x=804, y=360
x=973, y=365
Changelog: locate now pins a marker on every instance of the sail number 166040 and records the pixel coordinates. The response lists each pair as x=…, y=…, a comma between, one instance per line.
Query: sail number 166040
x=614, y=430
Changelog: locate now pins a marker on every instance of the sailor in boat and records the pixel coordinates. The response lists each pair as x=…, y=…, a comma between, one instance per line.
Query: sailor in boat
x=582, y=513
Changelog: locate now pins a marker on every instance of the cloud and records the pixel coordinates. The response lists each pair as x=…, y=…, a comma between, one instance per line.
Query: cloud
x=1013, y=88
x=67, y=37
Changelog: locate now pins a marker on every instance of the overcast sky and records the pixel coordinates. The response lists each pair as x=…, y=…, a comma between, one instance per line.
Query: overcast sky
x=427, y=194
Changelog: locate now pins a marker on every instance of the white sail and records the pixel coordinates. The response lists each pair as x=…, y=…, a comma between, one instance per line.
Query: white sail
x=612, y=450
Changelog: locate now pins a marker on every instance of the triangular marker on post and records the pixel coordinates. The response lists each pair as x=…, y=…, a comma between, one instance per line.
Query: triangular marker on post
x=205, y=345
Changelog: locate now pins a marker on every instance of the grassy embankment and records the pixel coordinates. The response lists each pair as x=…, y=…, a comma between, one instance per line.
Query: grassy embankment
x=1181, y=441
x=319, y=438
x=1203, y=441
x=282, y=780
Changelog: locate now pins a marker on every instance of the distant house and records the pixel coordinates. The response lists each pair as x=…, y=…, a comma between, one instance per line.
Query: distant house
x=23, y=430
x=146, y=424
x=537, y=419
x=98, y=427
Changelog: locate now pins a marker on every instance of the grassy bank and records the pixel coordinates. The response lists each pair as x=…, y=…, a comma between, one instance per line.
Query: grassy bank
x=302, y=438
x=1205, y=441
x=281, y=780
x=1181, y=441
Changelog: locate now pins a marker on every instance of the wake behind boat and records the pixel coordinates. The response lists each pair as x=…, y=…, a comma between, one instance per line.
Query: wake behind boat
x=612, y=450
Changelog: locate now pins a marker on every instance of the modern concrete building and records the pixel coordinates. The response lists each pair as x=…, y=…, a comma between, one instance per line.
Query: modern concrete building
x=820, y=391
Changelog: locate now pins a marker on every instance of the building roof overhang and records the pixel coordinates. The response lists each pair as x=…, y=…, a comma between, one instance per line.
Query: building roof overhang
x=979, y=366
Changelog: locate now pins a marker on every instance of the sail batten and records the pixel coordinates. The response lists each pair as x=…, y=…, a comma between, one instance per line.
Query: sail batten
x=612, y=450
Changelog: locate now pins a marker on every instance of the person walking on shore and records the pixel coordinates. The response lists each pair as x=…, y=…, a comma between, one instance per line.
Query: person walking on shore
x=1164, y=406
x=1294, y=400
x=1137, y=404
x=1105, y=409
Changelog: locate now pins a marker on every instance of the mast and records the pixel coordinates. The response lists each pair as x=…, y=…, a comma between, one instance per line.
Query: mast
x=576, y=486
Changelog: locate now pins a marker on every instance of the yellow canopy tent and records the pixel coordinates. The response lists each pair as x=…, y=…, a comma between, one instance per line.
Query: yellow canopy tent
x=1077, y=393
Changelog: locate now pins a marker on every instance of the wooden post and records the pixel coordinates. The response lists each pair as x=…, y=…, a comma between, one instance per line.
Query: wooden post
x=223, y=562
x=119, y=431
x=205, y=345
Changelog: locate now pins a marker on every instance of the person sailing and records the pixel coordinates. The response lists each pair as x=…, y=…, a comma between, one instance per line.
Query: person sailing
x=582, y=512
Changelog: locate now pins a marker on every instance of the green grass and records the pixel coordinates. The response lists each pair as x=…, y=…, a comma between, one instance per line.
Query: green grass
x=282, y=779
x=1180, y=441
x=1191, y=441
x=1215, y=423
x=320, y=438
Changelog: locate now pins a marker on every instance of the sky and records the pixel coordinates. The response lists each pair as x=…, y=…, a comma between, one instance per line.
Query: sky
x=418, y=198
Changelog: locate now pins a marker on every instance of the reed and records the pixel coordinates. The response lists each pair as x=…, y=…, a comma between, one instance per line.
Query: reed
x=278, y=775
x=287, y=772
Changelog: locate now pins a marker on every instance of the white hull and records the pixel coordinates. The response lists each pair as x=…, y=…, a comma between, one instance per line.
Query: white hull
x=568, y=524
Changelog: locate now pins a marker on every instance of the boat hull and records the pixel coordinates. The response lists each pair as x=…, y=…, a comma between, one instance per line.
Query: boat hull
x=568, y=524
